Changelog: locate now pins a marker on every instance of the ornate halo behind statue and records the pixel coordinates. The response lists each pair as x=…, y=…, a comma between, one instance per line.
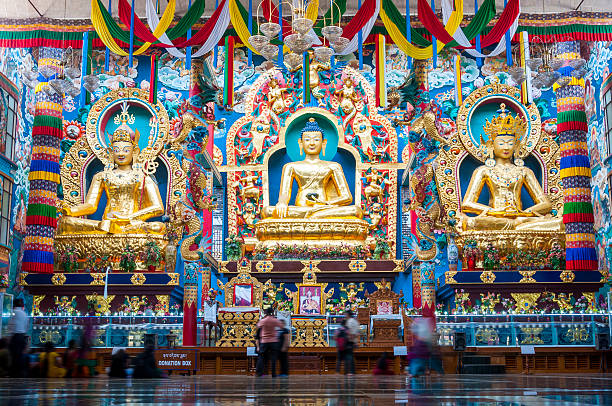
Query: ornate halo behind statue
x=103, y=113
x=490, y=97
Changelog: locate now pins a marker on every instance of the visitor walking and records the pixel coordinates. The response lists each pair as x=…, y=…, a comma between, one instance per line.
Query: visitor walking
x=341, y=338
x=119, y=363
x=5, y=358
x=284, y=341
x=268, y=342
x=420, y=351
x=354, y=334
x=70, y=356
x=145, y=366
x=18, y=327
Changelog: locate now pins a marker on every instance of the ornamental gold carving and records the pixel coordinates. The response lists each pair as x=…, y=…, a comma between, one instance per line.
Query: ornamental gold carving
x=174, y=279
x=567, y=276
x=357, y=266
x=138, y=278
x=525, y=302
x=58, y=279
x=101, y=305
x=98, y=278
x=309, y=332
x=449, y=277
x=487, y=277
x=264, y=266
x=238, y=329
x=527, y=276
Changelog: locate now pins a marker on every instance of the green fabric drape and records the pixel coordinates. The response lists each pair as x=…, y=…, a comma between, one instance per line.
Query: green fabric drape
x=339, y=7
x=485, y=14
x=400, y=21
x=187, y=21
x=114, y=28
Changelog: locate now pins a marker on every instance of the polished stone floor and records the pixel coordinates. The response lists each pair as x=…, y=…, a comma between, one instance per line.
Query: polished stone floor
x=315, y=390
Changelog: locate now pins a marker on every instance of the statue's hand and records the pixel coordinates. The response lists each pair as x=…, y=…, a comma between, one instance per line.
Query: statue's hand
x=281, y=210
x=117, y=215
x=64, y=208
x=484, y=213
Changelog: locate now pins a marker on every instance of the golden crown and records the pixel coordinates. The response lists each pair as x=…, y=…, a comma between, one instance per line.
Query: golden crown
x=505, y=124
x=124, y=132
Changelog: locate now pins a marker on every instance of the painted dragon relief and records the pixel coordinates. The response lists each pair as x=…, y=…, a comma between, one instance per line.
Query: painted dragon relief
x=347, y=98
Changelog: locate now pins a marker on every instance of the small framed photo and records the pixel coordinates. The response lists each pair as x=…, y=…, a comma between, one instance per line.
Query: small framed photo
x=310, y=299
x=243, y=295
x=384, y=307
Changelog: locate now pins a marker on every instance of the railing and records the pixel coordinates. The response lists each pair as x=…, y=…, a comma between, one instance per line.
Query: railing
x=116, y=331
x=511, y=330
x=572, y=330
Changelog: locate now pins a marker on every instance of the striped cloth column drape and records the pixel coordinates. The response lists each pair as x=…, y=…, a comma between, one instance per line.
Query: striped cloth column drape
x=575, y=168
x=41, y=217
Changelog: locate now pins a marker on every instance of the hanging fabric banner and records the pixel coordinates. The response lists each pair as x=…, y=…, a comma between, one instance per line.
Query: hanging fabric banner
x=306, y=78
x=153, y=83
x=526, y=96
x=431, y=22
x=363, y=21
x=461, y=38
x=228, y=73
x=395, y=32
x=215, y=28
x=381, y=91
x=458, y=90
x=97, y=20
x=239, y=24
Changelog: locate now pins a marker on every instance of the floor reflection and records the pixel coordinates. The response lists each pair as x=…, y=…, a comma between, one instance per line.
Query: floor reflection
x=314, y=390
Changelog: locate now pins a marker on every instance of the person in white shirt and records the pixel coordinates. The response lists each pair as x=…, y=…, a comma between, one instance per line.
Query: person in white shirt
x=18, y=326
x=354, y=331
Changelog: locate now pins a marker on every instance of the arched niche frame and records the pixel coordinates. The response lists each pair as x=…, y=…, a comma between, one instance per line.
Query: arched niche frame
x=94, y=145
x=327, y=121
x=465, y=143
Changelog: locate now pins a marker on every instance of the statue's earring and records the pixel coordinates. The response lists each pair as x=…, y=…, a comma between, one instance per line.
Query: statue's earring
x=517, y=160
x=490, y=162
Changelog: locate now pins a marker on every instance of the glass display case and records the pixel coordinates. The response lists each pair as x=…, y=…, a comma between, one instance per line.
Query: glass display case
x=6, y=311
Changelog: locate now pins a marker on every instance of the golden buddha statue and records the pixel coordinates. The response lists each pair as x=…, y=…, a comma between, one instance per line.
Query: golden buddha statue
x=132, y=196
x=505, y=180
x=323, y=191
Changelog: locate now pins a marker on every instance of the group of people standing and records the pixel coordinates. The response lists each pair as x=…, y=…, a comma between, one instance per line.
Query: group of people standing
x=273, y=338
x=272, y=341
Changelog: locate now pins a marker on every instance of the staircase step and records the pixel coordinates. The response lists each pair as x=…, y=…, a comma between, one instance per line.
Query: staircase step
x=477, y=359
x=483, y=369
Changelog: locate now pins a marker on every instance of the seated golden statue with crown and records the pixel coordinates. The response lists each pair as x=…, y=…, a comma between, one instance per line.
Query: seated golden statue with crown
x=323, y=212
x=505, y=180
x=132, y=196
x=492, y=208
x=111, y=195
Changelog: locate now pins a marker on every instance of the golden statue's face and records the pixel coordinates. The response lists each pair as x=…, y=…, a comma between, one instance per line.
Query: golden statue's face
x=312, y=142
x=123, y=152
x=503, y=146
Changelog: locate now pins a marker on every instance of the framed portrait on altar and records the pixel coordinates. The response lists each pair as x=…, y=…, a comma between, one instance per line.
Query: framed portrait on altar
x=243, y=295
x=309, y=299
x=384, y=307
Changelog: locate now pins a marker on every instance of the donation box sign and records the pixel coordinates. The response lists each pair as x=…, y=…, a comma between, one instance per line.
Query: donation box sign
x=177, y=359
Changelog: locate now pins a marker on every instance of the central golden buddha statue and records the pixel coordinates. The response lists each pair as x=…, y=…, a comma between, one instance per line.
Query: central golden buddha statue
x=323, y=214
x=132, y=196
x=322, y=188
x=505, y=180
